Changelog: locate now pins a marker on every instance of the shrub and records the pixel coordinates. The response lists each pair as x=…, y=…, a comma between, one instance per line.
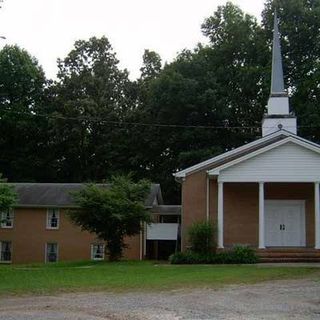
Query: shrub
x=237, y=255
x=190, y=257
x=202, y=237
x=243, y=254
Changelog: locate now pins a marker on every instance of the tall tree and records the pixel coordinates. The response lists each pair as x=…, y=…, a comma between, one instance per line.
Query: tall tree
x=90, y=97
x=22, y=91
x=151, y=65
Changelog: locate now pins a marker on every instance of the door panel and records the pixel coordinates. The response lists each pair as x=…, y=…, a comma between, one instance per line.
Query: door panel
x=292, y=220
x=285, y=223
x=272, y=225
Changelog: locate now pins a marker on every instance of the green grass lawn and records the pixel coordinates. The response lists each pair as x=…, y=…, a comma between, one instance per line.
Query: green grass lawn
x=124, y=276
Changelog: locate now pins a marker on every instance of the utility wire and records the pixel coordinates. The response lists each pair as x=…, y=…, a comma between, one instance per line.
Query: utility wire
x=142, y=124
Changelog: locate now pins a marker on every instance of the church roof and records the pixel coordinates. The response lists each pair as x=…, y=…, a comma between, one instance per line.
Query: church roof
x=239, y=152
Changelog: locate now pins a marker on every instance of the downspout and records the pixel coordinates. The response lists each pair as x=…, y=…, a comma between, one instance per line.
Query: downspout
x=141, y=242
x=145, y=240
x=208, y=198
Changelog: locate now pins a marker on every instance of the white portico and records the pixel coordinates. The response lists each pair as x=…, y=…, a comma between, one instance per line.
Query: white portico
x=289, y=161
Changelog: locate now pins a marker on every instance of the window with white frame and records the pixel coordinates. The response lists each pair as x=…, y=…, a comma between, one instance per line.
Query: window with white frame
x=97, y=252
x=51, y=252
x=53, y=217
x=5, y=251
x=6, y=218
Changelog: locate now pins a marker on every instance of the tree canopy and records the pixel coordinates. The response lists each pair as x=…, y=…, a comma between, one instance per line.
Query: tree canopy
x=22, y=136
x=8, y=197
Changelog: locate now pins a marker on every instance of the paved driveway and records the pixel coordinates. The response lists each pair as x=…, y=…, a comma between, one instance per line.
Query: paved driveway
x=297, y=299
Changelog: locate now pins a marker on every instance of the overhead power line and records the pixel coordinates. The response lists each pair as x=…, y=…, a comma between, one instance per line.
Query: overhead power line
x=142, y=124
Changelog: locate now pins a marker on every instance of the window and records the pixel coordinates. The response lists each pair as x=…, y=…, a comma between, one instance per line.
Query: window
x=53, y=219
x=5, y=249
x=51, y=252
x=6, y=219
x=97, y=252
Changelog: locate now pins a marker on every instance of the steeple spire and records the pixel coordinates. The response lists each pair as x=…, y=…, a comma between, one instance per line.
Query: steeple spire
x=278, y=115
x=277, y=83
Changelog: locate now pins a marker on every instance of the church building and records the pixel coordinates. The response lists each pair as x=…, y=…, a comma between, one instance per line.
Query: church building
x=264, y=194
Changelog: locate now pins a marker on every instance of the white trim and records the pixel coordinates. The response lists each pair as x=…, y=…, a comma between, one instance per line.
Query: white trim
x=48, y=227
x=302, y=204
x=103, y=251
x=45, y=251
x=208, y=199
x=145, y=239
x=141, y=242
x=220, y=215
x=317, y=215
x=199, y=166
x=261, y=216
x=250, y=155
x=2, y=224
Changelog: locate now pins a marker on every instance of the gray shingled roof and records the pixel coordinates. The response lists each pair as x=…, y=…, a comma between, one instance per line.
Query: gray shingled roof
x=58, y=194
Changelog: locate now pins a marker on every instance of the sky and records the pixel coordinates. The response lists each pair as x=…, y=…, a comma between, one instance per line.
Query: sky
x=47, y=29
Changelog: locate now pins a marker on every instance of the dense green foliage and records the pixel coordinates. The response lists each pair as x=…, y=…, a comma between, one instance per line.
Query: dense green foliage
x=22, y=137
x=94, y=122
x=112, y=212
x=237, y=255
x=8, y=196
x=123, y=276
x=202, y=237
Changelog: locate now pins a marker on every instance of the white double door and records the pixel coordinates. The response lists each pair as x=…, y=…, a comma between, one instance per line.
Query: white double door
x=285, y=223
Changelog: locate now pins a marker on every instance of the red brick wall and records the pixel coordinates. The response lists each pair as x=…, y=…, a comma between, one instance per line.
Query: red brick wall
x=29, y=236
x=193, y=202
x=241, y=206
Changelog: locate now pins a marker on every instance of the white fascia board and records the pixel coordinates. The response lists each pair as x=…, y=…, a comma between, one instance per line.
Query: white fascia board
x=183, y=173
x=305, y=140
x=291, y=138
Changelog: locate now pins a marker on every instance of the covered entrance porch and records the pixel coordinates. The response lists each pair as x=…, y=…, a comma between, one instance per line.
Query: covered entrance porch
x=279, y=219
x=269, y=197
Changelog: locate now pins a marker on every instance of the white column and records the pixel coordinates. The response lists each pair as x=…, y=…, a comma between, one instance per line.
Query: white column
x=317, y=215
x=145, y=240
x=141, y=245
x=208, y=198
x=220, y=214
x=261, y=216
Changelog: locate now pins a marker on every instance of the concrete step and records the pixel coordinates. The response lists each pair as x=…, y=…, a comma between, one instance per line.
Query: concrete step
x=291, y=259
x=289, y=254
x=289, y=249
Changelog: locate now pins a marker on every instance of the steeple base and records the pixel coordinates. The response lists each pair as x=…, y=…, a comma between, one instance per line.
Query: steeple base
x=278, y=104
x=273, y=123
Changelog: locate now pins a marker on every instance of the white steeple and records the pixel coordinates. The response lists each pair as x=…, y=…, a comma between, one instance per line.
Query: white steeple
x=278, y=115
